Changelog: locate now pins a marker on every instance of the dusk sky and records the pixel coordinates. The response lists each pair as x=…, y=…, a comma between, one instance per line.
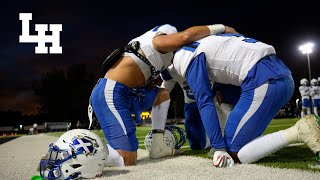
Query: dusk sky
x=92, y=29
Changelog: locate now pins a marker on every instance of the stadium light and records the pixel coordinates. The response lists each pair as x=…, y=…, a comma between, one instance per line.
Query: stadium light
x=307, y=49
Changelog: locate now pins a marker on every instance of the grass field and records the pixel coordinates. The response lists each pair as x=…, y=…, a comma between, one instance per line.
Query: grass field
x=292, y=157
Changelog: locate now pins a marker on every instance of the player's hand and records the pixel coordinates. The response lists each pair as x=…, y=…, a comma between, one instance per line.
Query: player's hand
x=222, y=159
x=229, y=29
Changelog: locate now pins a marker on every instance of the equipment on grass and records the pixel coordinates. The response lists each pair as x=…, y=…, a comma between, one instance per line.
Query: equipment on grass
x=173, y=137
x=77, y=153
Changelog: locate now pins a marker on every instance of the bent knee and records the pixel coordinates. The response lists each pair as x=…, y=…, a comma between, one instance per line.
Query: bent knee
x=163, y=95
x=129, y=157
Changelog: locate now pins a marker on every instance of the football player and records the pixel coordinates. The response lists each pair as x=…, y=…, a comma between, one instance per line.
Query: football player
x=315, y=95
x=131, y=67
x=304, y=90
x=265, y=81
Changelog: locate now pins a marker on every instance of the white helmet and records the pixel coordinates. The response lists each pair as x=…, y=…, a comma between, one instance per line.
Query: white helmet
x=77, y=153
x=314, y=82
x=173, y=137
x=304, y=82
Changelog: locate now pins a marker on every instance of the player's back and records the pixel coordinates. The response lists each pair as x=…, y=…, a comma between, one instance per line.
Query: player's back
x=229, y=56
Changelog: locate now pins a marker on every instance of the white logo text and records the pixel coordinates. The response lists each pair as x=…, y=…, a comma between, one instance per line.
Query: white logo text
x=41, y=38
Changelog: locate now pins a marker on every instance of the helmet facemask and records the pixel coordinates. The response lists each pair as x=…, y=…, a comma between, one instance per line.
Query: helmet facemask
x=74, y=156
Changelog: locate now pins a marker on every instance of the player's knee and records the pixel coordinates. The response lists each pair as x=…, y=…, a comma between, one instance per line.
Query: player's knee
x=129, y=157
x=163, y=95
x=130, y=161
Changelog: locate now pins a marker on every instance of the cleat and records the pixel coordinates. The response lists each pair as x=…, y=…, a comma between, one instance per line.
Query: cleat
x=309, y=132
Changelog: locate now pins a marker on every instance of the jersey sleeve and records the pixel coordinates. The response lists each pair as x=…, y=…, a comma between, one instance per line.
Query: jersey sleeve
x=165, y=29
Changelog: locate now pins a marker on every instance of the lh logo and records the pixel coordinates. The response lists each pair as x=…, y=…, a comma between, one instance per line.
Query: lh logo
x=41, y=38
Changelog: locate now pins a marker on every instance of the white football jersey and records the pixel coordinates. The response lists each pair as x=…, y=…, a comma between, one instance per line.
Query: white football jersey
x=304, y=91
x=229, y=56
x=315, y=92
x=176, y=78
x=158, y=60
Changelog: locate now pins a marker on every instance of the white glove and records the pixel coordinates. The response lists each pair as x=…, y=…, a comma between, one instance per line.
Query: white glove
x=222, y=159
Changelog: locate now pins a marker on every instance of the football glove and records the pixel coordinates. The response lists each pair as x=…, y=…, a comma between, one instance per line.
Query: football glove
x=222, y=159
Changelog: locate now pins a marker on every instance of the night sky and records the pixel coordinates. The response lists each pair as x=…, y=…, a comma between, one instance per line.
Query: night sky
x=92, y=29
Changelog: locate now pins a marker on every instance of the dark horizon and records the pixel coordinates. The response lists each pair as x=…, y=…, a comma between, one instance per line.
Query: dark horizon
x=92, y=30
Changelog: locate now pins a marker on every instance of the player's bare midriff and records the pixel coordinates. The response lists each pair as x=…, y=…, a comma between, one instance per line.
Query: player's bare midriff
x=126, y=72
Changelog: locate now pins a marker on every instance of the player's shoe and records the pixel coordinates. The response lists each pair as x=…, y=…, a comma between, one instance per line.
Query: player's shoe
x=309, y=132
x=159, y=149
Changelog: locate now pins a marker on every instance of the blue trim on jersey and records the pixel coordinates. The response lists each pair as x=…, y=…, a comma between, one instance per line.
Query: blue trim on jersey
x=157, y=27
x=269, y=67
x=199, y=83
x=190, y=47
x=166, y=75
x=247, y=39
x=188, y=91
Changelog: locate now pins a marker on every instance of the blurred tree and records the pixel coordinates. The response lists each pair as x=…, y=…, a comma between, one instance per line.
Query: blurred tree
x=65, y=95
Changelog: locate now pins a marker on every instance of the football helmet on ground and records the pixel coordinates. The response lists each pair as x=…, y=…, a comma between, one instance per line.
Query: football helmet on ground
x=77, y=153
x=173, y=137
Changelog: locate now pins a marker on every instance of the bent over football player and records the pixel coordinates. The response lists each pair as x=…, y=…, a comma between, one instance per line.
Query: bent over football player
x=132, y=67
x=266, y=83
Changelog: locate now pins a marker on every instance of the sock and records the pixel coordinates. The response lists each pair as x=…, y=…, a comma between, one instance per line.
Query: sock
x=315, y=111
x=291, y=134
x=114, y=158
x=262, y=147
x=159, y=115
x=302, y=113
x=308, y=111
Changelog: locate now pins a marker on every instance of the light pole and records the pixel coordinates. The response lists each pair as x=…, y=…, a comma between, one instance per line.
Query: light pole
x=307, y=49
